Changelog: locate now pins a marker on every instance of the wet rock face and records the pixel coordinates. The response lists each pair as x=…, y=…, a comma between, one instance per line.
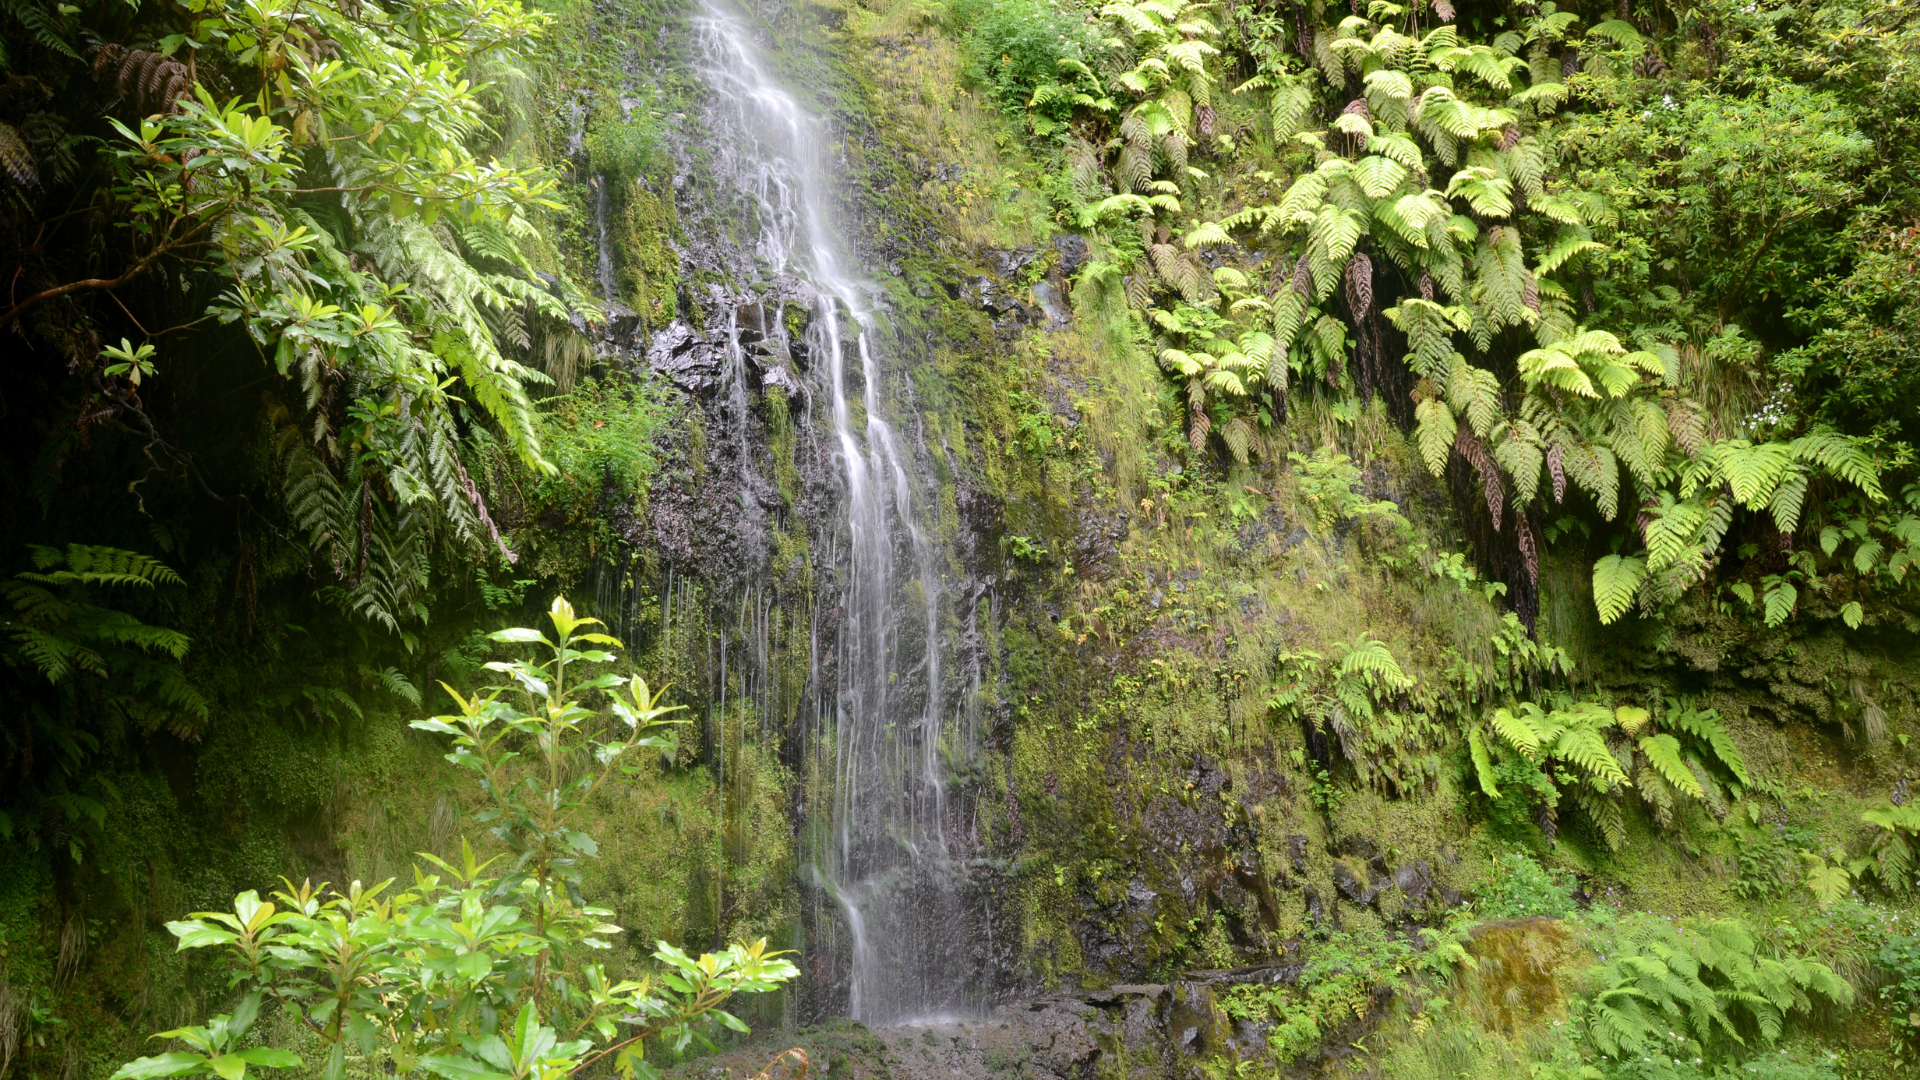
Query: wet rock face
x=1150, y=1031
x=688, y=357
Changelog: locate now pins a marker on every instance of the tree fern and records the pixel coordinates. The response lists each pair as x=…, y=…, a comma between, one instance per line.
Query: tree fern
x=1516, y=730
x=63, y=630
x=1752, y=472
x=1616, y=580
x=88, y=565
x=1435, y=431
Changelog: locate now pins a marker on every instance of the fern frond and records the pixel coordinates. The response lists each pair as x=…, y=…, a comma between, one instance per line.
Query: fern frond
x=1663, y=753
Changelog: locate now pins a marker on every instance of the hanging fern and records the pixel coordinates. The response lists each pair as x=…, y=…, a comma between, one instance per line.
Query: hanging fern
x=61, y=629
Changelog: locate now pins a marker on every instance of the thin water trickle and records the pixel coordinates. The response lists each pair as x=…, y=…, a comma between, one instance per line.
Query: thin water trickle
x=609, y=291
x=886, y=862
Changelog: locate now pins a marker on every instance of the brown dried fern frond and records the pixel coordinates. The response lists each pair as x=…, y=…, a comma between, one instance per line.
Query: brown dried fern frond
x=144, y=79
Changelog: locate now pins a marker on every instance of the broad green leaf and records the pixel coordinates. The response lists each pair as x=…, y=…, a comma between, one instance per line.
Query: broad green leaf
x=174, y=1064
x=194, y=934
x=460, y=1067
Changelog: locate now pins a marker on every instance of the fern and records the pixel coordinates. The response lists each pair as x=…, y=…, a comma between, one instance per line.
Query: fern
x=1841, y=456
x=1662, y=752
x=98, y=566
x=1616, y=579
x=1584, y=747
x=1780, y=600
x=1707, y=978
x=44, y=25
x=1482, y=765
x=1435, y=431
x=1894, y=851
x=1703, y=725
x=63, y=633
x=1517, y=731
x=1752, y=472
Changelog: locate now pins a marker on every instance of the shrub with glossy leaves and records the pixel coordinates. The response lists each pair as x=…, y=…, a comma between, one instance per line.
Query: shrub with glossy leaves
x=479, y=969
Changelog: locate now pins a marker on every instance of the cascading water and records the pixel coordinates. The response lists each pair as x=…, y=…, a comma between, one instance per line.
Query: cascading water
x=878, y=675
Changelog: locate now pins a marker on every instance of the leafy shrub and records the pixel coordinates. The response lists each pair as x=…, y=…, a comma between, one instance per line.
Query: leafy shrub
x=1344, y=979
x=622, y=149
x=1015, y=46
x=1336, y=986
x=473, y=972
x=1862, y=365
x=1522, y=887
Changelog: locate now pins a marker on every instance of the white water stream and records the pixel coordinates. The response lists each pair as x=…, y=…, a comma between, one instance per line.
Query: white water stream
x=879, y=677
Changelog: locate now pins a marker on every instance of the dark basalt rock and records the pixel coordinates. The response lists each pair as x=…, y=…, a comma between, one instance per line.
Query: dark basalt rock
x=1074, y=253
x=623, y=323
x=1415, y=879
x=686, y=356
x=1352, y=882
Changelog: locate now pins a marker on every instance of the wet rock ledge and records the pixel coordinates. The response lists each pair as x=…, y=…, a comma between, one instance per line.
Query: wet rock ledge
x=1151, y=1031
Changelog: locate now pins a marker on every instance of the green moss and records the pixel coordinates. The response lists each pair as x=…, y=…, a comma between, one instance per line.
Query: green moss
x=647, y=268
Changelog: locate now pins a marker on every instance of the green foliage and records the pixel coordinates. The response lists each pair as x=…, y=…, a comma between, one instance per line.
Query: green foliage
x=1899, y=961
x=1503, y=180
x=1699, y=990
x=1015, y=47
x=1521, y=887
x=1585, y=750
x=352, y=210
x=622, y=149
x=1035, y=430
x=99, y=668
x=453, y=974
x=601, y=438
x=1347, y=696
x=1340, y=984
x=1329, y=483
x=1893, y=854
x=537, y=796
x=215, y=1050
x=1860, y=367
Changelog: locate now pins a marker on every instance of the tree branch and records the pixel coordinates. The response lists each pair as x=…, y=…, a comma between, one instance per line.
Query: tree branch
x=95, y=284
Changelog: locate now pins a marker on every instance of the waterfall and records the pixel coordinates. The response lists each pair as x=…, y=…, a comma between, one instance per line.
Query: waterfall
x=878, y=676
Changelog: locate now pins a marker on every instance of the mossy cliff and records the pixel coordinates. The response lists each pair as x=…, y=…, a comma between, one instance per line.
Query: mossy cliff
x=1150, y=800
x=1220, y=809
